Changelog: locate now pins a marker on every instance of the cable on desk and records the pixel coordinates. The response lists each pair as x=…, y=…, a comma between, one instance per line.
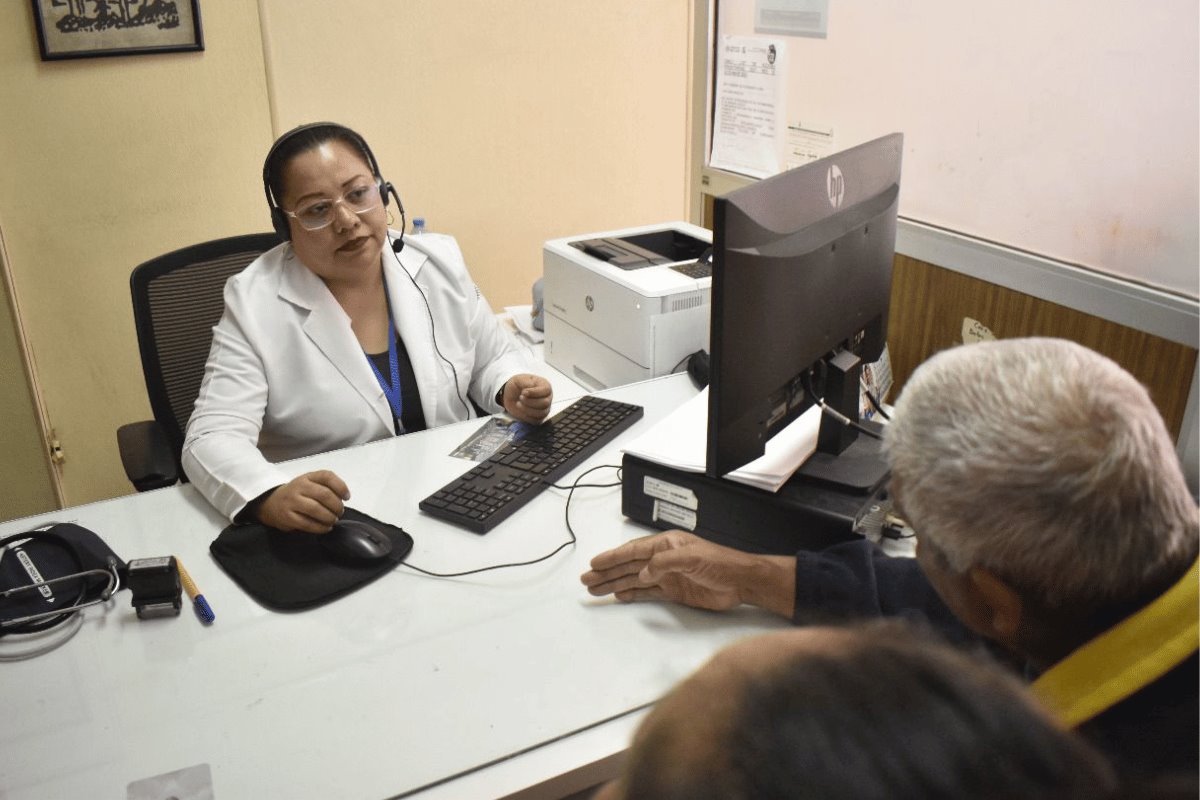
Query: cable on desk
x=578, y=485
x=552, y=553
x=40, y=642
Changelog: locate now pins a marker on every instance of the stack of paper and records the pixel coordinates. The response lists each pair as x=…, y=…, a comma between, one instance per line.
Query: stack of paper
x=680, y=441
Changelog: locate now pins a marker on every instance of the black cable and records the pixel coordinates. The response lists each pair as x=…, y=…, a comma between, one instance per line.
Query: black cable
x=576, y=484
x=493, y=566
x=617, y=482
x=842, y=418
x=834, y=413
x=892, y=532
x=877, y=405
x=429, y=313
x=552, y=553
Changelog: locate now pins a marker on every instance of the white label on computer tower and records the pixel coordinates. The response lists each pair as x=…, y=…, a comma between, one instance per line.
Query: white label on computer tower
x=669, y=512
x=660, y=489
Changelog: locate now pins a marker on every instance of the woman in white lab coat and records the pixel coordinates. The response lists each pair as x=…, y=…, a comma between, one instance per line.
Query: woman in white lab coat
x=333, y=339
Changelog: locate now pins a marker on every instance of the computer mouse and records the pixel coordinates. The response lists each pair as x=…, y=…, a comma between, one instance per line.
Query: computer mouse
x=697, y=367
x=356, y=541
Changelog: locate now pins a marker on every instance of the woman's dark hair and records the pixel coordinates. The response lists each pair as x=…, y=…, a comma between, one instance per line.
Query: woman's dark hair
x=301, y=140
x=888, y=713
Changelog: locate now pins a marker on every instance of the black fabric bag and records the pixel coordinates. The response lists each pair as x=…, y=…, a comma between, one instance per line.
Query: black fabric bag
x=289, y=571
x=60, y=550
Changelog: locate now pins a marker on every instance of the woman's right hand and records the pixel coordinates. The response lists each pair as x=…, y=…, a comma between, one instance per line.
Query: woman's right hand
x=311, y=503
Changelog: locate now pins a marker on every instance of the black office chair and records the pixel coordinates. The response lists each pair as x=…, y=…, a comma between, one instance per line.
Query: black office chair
x=177, y=299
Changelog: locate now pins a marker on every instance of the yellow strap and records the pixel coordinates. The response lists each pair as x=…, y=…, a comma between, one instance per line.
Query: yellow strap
x=1122, y=660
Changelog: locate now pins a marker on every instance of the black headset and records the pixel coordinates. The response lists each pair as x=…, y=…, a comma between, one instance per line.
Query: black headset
x=279, y=219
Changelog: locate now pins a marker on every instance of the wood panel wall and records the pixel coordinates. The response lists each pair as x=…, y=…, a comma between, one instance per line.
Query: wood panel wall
x=929, y=304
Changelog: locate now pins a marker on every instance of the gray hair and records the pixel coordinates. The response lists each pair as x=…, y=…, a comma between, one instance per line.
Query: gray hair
x=1045, y=463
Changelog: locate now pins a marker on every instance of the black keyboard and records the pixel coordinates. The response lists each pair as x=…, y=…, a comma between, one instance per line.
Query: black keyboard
x=488, y=493
x=695, y=269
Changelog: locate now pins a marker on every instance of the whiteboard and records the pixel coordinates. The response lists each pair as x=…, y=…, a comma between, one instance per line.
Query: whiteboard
x=1064, y=128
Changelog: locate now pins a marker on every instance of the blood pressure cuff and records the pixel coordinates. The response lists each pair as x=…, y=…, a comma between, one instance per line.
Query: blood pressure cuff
x=55, y=552
x=291, y=571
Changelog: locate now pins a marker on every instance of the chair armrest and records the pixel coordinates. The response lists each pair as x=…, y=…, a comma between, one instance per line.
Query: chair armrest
x=146, y=455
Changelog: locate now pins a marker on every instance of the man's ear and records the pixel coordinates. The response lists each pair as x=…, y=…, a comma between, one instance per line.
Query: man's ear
x=1001, y=604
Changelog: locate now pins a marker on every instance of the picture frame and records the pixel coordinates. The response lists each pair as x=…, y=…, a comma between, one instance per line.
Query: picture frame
x=99, y=28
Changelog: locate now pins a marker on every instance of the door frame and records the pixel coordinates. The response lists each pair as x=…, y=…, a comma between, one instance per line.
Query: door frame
x=45, y=434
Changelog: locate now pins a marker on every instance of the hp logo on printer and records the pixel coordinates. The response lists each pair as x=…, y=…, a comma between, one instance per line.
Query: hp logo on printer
x=835, y=184
x=589, y=304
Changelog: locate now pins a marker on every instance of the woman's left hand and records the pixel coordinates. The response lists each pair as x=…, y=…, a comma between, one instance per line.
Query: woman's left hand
x=527, y=398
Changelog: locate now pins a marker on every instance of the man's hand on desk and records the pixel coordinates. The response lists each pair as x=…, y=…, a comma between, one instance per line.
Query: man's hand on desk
x=527, y=398
x=311, y=503
x=684, y=568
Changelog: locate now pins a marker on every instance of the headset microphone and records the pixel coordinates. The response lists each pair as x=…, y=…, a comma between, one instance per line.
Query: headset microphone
x=388, y=188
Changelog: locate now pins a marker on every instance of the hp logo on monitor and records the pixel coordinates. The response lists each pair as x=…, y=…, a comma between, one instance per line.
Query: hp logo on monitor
x=835, y=185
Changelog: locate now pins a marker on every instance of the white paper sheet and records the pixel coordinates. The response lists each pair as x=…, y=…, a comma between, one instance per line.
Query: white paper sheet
x=807, y=142
x=747, y=135
x=680, y=441
x=522, y=320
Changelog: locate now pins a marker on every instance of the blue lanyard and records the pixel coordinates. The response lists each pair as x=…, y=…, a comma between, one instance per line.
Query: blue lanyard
x=392, y=392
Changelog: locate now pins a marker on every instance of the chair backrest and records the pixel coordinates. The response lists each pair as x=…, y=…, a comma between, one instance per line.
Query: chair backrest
x=177, y=299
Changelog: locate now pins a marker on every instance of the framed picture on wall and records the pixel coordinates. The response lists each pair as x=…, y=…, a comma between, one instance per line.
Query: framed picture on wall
x=93, y=28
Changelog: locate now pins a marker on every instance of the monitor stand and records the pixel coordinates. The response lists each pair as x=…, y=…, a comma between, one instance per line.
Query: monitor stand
x=846, y=459
x=858, y=469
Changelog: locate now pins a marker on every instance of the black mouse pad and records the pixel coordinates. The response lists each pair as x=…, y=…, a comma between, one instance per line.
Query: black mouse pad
x=290, y=571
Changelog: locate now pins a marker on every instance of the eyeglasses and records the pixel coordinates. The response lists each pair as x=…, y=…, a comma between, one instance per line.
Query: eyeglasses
x=319, y=214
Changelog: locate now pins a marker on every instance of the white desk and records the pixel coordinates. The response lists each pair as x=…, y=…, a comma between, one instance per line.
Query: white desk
x=512, y=681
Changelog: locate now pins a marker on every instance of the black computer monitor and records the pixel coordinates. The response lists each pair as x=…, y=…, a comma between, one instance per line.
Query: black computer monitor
x=802, y=273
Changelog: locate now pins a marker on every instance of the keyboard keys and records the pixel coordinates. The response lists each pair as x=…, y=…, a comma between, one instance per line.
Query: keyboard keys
x=488, y=493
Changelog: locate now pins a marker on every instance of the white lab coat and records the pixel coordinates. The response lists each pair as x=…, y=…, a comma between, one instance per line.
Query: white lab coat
x=286, y=376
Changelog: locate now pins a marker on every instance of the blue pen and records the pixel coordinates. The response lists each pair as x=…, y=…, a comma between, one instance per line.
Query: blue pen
x=202, y=608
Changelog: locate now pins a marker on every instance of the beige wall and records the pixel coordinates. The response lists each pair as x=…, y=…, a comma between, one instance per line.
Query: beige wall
x=503, y=123
x=108, y=162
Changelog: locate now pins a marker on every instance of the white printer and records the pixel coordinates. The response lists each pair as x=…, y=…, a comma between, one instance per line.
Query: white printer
x=626, y=305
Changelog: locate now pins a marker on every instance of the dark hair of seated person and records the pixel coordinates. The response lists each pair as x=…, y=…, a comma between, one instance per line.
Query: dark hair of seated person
x=870, y=711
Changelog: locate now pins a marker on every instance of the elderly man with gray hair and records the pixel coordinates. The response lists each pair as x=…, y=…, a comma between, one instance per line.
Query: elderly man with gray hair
x=1052, y=518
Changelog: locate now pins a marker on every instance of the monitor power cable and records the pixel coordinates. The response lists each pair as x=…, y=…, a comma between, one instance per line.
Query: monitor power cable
x=834, y=413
